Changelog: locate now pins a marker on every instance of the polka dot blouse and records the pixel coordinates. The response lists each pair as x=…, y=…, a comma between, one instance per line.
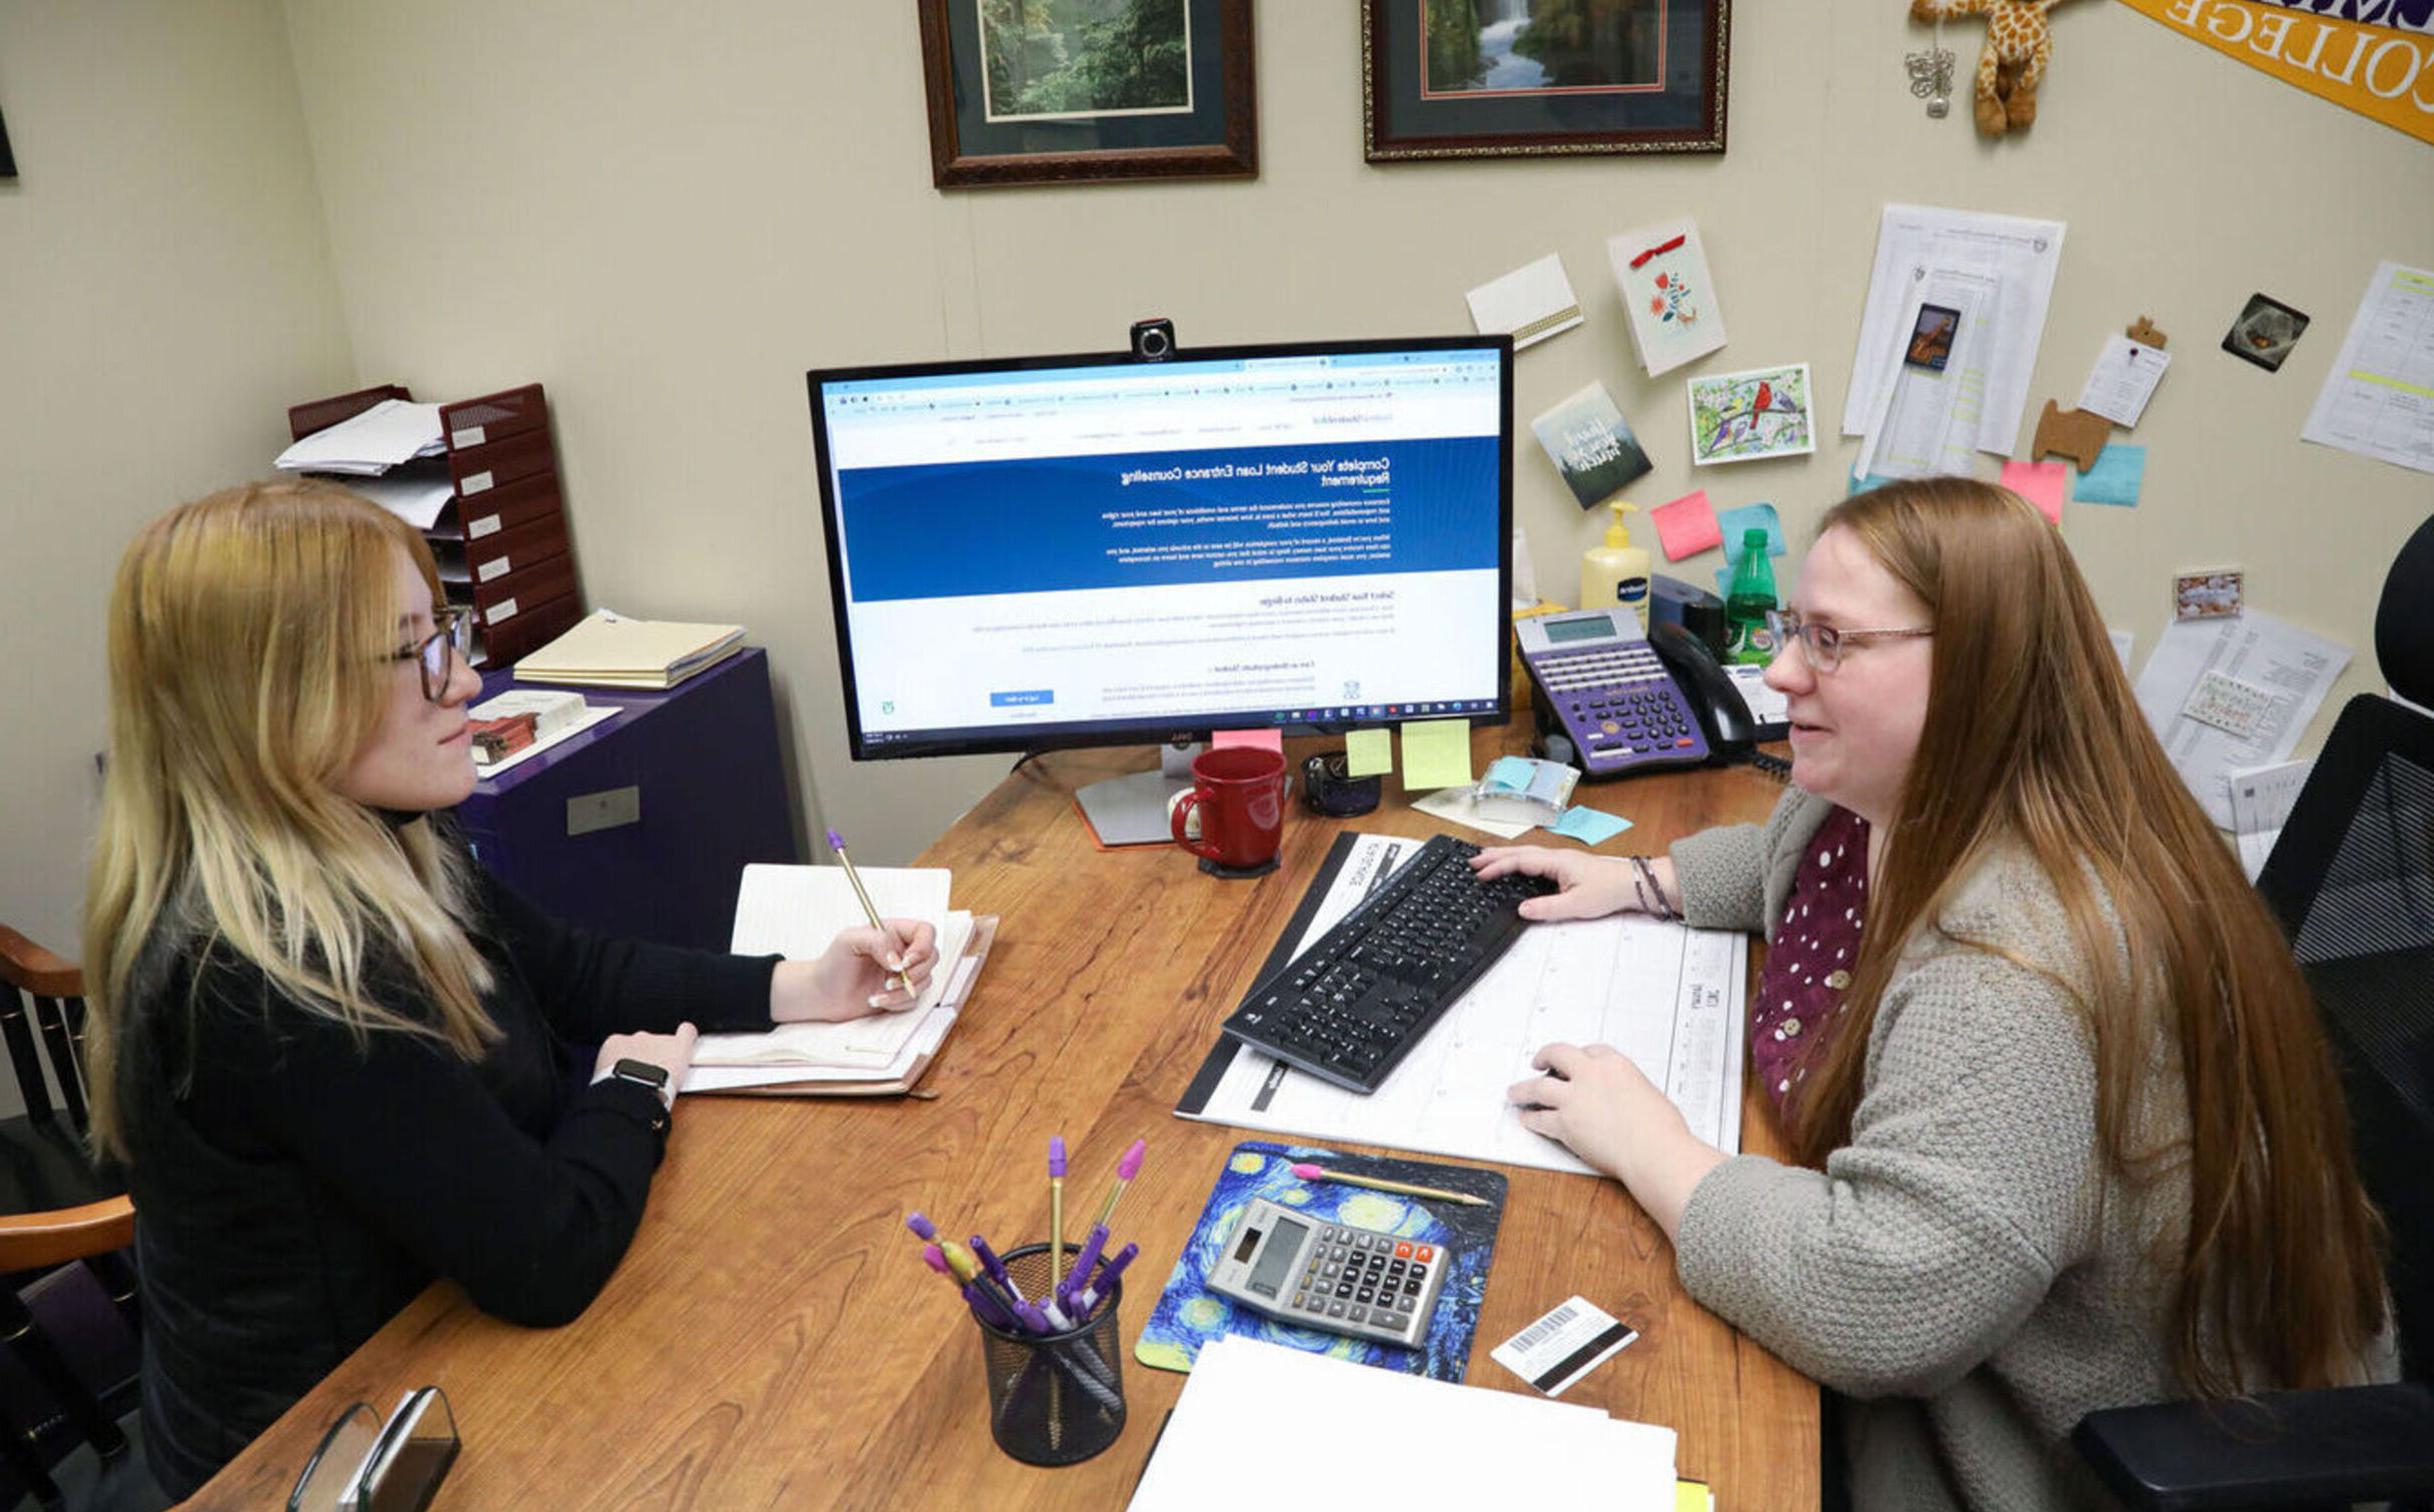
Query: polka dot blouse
x=1808, y=967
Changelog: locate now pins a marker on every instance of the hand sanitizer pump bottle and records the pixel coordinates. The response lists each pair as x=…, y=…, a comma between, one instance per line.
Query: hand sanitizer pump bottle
x=1617, y=572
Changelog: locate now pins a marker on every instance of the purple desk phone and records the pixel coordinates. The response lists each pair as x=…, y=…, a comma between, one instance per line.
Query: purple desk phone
x=1628, y=703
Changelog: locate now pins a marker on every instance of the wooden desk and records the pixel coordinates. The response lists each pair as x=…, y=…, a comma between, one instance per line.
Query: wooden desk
x=773, y=1340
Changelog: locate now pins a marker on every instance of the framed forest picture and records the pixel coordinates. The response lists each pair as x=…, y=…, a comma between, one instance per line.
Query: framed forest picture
x=1532, y=78
x=1084, y=91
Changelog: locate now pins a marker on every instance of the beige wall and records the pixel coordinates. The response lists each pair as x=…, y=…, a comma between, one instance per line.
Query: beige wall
x=667, y=213
x=165, y=294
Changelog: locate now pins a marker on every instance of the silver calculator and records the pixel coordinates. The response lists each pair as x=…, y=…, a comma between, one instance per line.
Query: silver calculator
x=1337, y=1276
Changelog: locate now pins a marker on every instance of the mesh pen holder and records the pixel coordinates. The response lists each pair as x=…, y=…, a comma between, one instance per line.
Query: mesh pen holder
x=1054, y=1399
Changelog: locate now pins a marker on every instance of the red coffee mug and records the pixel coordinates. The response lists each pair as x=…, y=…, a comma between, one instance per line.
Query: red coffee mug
x=1238, y=792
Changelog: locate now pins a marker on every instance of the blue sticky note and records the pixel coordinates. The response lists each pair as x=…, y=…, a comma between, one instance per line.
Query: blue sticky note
x=1589, y=826
x=1750, y=517
x=2115, y=478
x=1863, y=485
x=1511, y=773
x=1724, y=581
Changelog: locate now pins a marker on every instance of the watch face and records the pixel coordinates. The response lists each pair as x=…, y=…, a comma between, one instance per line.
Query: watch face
x=641, y=1071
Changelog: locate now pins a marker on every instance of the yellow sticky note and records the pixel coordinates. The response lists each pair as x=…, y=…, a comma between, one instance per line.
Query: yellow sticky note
x=1436, y=754
x=1368, y=752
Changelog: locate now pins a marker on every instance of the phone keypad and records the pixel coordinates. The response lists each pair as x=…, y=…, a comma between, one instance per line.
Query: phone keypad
x=1620, y=704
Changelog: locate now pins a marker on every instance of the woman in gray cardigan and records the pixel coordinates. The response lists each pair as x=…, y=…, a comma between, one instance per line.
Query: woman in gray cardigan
x=2009, y=956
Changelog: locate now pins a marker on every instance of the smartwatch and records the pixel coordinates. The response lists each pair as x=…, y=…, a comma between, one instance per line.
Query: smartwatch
x=643, y=1074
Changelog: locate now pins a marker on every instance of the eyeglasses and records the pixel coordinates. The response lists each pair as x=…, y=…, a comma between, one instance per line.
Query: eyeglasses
x=1822, y=644
x=455, y=633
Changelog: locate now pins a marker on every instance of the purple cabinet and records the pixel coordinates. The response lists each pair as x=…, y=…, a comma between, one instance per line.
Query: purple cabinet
x=642, y=825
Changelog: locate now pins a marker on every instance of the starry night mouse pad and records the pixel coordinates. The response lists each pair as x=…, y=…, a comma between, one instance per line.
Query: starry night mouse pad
x=1188, y=1315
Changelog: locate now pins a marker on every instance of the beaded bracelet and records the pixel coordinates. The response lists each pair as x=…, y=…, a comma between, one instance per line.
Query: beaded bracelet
x=1651, y=892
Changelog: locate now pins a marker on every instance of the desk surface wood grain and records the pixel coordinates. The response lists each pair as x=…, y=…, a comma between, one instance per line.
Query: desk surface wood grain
x=772, y=1339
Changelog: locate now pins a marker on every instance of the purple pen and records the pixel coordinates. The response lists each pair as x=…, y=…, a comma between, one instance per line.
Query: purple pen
x=1089, y=1257
x=1089, y=1298
x=984, y=1306
x=920, y=1224
x=1126, y=1169
x=995, y=1267
x=836, y=842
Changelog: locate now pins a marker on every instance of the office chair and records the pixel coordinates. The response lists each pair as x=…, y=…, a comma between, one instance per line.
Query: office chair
x=70, y=1343
x=2352, y=881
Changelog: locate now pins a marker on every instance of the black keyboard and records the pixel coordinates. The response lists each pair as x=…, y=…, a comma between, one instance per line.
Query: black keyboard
x=1350, y=1007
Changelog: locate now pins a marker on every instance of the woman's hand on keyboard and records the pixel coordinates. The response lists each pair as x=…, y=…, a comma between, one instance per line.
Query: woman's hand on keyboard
x=1592, y=886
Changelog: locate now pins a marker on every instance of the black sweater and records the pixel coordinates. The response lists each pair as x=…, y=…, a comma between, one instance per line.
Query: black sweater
x=295, y=1188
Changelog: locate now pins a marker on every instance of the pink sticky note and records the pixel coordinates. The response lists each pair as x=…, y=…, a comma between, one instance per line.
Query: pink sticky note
x=1687, y=526
x=2040, y=483
x=1273, y=740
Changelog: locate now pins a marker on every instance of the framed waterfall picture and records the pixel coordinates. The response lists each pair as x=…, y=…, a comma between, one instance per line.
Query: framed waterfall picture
x=1535, y=78
x=1087, y=91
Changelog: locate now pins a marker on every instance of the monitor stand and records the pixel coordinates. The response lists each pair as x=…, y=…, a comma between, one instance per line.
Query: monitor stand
x=1132, y=810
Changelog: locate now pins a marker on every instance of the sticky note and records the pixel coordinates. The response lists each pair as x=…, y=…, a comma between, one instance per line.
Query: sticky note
x=1751, y=517
x=1511, y=773
x=1686, y=526
x=1436, y=754
x=2115, y=478
x=2040, y=483
x=1266, y=740
x=1724, y=581
x=1589, y=826
x=1368, y=752
x=1860, y=485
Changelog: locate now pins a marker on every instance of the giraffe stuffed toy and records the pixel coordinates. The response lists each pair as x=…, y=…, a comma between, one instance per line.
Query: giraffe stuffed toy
x=2018, y=46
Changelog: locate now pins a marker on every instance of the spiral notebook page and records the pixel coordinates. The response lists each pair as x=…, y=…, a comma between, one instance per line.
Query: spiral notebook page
x=794, y=911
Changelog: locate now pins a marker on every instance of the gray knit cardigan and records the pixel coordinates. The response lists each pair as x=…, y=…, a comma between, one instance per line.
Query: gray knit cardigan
x=1952, y=1269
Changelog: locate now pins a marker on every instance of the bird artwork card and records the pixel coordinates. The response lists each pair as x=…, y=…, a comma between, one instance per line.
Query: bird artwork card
x=1745, y=417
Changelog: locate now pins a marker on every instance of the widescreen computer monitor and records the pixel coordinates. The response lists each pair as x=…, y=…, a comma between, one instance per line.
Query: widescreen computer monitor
x=1093, y=550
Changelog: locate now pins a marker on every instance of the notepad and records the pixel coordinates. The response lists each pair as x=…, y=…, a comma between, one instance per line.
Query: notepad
x=796, y=911
x=1299, y=1416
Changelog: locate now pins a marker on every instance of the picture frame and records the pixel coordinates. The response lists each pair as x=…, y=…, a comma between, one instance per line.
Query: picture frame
x=1619, y=76
x=1088, y=91
x=1753, y=415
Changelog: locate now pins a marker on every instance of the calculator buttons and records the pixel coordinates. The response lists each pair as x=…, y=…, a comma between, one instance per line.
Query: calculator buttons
x=1402, y=1249
x=1360, y=1315
x=1335, y=1309
x=1424, y=1253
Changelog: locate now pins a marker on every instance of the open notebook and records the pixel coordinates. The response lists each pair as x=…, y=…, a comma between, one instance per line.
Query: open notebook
x=794, y=911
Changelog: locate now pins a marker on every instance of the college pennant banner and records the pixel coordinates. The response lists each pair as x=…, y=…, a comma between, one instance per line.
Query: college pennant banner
x=2411, y=15
x=2378, y=71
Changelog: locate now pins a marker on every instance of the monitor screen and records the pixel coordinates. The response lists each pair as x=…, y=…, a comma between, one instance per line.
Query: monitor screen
x=1093, y=550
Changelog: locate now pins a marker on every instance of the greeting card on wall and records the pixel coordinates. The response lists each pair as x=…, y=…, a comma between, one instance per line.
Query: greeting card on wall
x=1742, y=417
x=1671, y=297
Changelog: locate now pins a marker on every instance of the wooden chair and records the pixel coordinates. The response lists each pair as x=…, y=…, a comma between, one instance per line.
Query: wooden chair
x=60, y=1208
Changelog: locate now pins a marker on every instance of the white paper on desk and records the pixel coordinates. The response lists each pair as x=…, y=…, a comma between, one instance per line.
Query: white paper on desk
x=2298, y=667
x=2378, y=400
x=2024, y=255
x=1532, y=302
x=926, y=1030
x=2261, y=799
x=596, y=714
x=795, y=911
x=1296, y=1413
x=390, y=432
x=2123, y=380
x=1671, y=998
x=1927, y=422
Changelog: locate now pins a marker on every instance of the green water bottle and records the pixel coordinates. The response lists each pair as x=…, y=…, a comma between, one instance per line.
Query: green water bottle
x=1747, y=639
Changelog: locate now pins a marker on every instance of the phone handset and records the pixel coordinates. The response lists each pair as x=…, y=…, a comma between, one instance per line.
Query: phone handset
x=1723, y=714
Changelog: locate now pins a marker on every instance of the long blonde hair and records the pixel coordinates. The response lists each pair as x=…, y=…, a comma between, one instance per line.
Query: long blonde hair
x=2034, y=740
x=250, y=636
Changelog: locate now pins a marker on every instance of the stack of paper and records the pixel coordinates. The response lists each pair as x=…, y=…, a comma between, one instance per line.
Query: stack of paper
x=795, y=911
x=607, y=650
x=1334, y=1429
x=390, y=432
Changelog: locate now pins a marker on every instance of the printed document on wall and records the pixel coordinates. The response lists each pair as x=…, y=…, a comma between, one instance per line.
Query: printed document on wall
x=1929, y=420
x=2295, y=667
x=2378, y=401
x=1671, y=998
x=2023, y=256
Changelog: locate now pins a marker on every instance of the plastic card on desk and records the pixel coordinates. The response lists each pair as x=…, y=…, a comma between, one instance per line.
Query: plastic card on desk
x=1188, y=1315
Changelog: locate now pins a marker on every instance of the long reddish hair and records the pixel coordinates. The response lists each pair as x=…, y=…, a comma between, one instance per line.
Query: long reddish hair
x=2033, y=741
